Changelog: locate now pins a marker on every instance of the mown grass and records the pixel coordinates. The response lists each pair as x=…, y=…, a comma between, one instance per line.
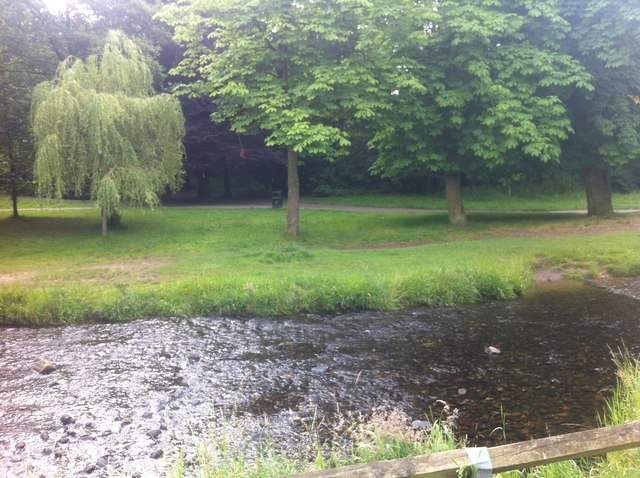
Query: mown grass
x=55, y=268
x=480, y=199
x=230, y=448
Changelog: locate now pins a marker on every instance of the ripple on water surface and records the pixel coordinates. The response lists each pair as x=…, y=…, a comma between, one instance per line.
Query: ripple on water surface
x=121, y=384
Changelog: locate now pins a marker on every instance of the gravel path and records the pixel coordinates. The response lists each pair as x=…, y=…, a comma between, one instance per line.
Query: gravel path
x=266, y=204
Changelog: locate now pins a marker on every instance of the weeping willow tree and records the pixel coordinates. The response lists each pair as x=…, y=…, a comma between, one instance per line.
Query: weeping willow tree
x=99, y=129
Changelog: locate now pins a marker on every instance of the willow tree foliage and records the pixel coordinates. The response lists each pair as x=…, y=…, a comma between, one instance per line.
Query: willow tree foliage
x=99, y=129
x=290, y=70
x=484, y=92
x=605, y=37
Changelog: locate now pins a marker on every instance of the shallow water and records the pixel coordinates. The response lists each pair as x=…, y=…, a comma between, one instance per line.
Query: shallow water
x=118, y=382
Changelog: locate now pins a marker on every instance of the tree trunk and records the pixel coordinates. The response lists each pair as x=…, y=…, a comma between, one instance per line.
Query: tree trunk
x=105, y=223
x=293, y=195
x=14, y=183
x=453, y=193
x=14, y=197
x=597, y=183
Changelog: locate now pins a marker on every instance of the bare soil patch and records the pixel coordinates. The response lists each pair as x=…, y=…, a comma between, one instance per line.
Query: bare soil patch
x=140, y=270
x=16, y=277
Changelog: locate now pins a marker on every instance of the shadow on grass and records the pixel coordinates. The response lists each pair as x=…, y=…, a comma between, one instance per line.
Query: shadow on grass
x=481, y=221
x=49, y=225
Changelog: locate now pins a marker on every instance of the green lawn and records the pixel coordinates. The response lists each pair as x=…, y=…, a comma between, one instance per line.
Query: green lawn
x=54, y=267
x=32, y=202
x=479, y=200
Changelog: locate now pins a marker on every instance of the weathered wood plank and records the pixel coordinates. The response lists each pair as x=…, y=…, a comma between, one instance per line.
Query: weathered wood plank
x=584, y=444
x=515, y=456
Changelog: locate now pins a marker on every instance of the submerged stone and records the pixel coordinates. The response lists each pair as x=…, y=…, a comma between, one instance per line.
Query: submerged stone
x=156, y=454
x=67, y=419
x=491, y=350
x=320, y=369
x=44, y=367
x=421, y=425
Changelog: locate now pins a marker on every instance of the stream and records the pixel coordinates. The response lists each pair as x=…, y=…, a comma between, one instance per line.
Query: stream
x=125, y=397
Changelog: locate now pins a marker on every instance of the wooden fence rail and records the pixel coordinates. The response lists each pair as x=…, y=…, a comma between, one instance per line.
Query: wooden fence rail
x=516, y=456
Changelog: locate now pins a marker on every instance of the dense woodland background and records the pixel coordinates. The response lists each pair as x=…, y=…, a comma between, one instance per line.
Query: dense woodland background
x=602, y=38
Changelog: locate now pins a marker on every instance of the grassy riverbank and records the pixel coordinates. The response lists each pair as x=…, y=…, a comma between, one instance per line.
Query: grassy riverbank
x=55, y=268
x=230, y=451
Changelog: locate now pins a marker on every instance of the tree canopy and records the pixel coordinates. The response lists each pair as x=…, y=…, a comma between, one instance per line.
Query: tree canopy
x=290, y=70
x=25, y=60
x=605, y=38
x=485, y=91
x=100, y=130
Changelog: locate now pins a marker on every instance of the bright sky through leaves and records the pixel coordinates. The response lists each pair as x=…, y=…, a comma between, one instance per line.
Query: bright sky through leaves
x=56, y=5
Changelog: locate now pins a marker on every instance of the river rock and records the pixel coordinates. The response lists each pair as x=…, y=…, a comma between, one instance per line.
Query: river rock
x=44, y=367
x=102, y=462
x=194, y=356
x=58, y=452
x=125, y=419
x=63, y=440
x=491, y=350
x=421, y=425
x=462, y=391
x=320, y=369
x=155, y=433
x=44, y=436
x=147, y=415
x=67, y=420
x=21, y=445
x=90, y=468
x=46, y=451
x=156, y=454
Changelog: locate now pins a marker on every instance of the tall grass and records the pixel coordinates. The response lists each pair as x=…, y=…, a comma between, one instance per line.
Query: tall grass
x=306, y=292
x=238, y=448
x=235, y=447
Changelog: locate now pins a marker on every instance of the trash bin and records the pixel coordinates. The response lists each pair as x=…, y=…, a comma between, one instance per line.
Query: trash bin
x=276, y=199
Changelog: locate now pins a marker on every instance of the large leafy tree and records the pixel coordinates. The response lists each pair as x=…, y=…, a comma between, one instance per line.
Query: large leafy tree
x=605, y=37
x=99, y=128
x=26, y=59
x=485, y=76
x=287, y=69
